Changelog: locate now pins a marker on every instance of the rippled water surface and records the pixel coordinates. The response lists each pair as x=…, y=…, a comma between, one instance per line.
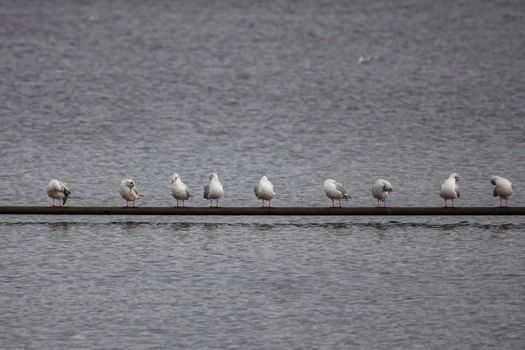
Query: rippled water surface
x=93, y=91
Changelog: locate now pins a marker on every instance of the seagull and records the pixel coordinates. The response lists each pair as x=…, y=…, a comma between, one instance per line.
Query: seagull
x=264, y=190
x=450, y=189
x=213, y=190
x=503, y=188
x=335, y=190
x=179, y=189
x=380, y=190
x=129, y=191
x=58, y=190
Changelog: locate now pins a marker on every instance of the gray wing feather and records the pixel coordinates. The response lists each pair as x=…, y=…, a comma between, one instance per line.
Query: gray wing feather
x=495, y=192
x=256, y=190
x=67, y=192
x=135, y=191
x=206, y=191
x=339, y=186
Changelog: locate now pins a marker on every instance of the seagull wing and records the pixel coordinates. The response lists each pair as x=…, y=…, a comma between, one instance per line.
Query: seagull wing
x=66, y=191
x=134, y=191
x=339, y=186
x=206, y=191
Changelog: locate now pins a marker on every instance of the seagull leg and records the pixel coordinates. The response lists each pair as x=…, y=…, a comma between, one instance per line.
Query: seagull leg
x=333, y=205
x=339, y=202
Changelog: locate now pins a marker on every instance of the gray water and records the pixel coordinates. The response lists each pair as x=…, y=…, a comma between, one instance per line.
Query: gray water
x=92, y=92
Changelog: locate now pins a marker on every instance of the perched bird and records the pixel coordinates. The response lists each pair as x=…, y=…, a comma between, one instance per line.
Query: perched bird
x=179, y=189
x=335, y=190
x=265, y=190
x=450, y=189
x=58, y=190
x=380, y=190
x=503, y=188
x=129, y=191
x=213, y=190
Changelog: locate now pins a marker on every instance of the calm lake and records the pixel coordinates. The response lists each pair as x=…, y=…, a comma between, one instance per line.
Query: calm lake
x=92, y=92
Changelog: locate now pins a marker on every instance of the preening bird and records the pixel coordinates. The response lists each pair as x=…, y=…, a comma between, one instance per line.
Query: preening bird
x=380, y=190
x=179, y=189
x=450, y=189
x=213, y=190
x=335, y=190
x=129, y=191
x=503, y=188
x=58, y=190
x=264, y=190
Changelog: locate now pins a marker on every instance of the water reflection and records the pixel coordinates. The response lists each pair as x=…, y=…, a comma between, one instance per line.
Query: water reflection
x=214, y=226
x=181, y=227
x=59, y=227
x=265, y=227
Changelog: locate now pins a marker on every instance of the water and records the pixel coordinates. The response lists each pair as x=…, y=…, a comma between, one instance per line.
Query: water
x=93, y=92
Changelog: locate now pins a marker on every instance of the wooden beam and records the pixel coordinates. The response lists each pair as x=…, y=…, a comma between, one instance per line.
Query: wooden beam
x=249, y=211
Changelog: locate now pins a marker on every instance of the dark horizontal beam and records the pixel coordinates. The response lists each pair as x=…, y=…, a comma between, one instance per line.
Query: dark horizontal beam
x=33, y=210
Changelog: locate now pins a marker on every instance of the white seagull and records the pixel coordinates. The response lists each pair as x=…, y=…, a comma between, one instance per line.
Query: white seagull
x=213, y=190
x=335, y=190
x=503, y=188
x=58, y=190
x=380, y=190
x=129, y=191
x=264, y=191
x=179, y=189
x=450, y=189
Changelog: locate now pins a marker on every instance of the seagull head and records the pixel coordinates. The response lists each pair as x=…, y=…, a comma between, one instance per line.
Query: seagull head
x=214, y=176
x=455, y=176
x=175, y=177
x=493, y=180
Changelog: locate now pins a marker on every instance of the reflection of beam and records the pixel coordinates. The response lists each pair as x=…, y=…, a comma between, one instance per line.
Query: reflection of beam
x=258, y=211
